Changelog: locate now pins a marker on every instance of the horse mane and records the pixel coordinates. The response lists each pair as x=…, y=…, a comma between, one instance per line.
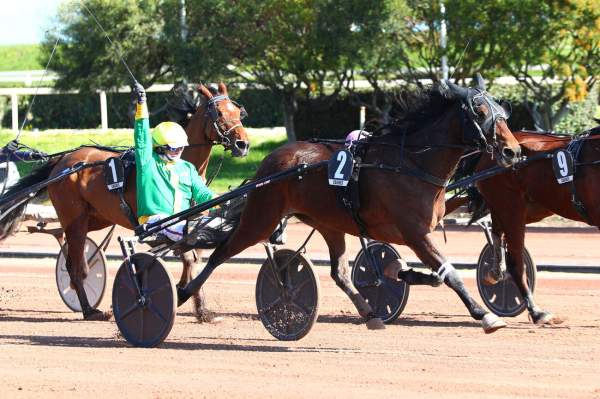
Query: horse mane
x=413, y=109
x=182, y=103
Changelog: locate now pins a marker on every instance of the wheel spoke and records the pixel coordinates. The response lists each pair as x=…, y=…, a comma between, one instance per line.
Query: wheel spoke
x=129, y=311
x=89, y=287
x=269, y=307
x=126, y=282
x=301, y=307
x=157, y=312
x=504, y=295
x=294, y=291
x=163, y=287
x=141, y=338
x=272, y=279
x=93, y=262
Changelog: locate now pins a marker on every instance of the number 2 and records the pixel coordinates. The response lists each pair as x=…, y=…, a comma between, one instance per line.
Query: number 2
x=341, y=158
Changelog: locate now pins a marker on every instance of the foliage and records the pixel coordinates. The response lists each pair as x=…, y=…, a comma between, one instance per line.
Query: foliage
x=308, y=52
x=562, y=47
x=298, y=49
x=22, y=57
x=86, y=60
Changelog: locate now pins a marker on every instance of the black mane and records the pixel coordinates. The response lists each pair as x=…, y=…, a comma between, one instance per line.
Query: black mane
x=414, y=109
x=182, y=103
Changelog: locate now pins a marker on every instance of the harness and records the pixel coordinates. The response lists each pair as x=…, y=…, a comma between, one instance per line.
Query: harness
x=575, y=147
x=116, y=170
x=213, y=114
x=473, y=137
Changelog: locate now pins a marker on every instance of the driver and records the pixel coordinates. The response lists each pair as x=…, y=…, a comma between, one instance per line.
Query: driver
x=166, y=184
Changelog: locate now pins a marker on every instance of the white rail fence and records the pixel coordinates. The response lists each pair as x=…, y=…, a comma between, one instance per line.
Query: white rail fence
x=34, y=77
x=15, y=92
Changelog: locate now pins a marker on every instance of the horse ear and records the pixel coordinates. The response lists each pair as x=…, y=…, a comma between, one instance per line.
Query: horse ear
x=202, y=89
x=457, y=91
x=507, y=107
x=480, y=81
x=223, y=88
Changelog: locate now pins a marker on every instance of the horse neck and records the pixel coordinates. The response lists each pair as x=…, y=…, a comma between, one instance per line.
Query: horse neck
x=200, y=145
x=440, y=161
x=541, y=142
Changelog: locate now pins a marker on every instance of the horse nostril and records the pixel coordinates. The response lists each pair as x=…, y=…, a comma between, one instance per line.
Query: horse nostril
x=241, y=144
x=508, y=153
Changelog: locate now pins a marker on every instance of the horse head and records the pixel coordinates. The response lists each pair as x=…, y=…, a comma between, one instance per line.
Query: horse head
x=487, y=121
x=225, y=117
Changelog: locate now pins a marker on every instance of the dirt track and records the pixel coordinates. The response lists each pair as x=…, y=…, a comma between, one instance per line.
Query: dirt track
x=434, y=350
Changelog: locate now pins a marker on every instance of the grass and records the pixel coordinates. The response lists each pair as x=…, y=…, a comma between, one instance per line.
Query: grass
x=233, y=171
x=22, y=57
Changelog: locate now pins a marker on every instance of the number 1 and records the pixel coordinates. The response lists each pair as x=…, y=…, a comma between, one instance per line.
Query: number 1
x=111, y=164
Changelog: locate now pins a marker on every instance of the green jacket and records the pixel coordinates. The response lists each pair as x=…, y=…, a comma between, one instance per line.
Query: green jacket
x=162, y=187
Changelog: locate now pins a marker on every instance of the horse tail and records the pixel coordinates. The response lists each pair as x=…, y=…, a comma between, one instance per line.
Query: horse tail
x=477, y=205
x=11, y=215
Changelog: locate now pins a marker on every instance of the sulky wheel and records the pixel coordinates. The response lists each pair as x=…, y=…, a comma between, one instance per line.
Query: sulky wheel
x=387, y=297
x=288, y=309
x=95, y=282
x=144, y=320
x=503, y=298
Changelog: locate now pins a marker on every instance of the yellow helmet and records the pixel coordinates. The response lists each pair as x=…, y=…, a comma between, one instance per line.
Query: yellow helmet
x=169, y=133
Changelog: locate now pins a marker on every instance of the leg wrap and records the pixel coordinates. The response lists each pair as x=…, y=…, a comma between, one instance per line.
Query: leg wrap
x=446, y=269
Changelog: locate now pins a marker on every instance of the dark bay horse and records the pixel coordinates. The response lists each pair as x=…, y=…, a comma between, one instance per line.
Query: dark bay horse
x=404, y=206
x=84, y=204
x=530, y=194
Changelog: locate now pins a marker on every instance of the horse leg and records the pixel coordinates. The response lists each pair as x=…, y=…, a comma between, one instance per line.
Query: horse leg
x=191, y=260
x=495, y=273
x=340, y=273
x=77, y=268
x=424, y=248
x=250, y=231
x=515, y=244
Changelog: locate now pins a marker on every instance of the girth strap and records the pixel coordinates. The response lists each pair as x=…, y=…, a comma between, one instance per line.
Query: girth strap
x=575, y=147
x=426, y=177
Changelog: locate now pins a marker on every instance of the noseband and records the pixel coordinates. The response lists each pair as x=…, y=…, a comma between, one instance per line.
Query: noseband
x=213, y=113
x=476, y=135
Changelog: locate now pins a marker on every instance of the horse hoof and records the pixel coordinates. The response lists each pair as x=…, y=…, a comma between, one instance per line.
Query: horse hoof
x=208, y=317
x=491, y=323
x=182, y=296
x=392, y=269
x=546, y=318
x=96, y=315
x=375, y=324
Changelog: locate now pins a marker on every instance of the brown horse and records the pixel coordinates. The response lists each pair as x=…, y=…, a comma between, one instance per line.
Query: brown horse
x=84, y=204
x=401, y=199
x=530, y=194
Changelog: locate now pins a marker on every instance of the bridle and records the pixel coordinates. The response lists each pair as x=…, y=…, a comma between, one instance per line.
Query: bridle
x=475, y=136
x=213, y=114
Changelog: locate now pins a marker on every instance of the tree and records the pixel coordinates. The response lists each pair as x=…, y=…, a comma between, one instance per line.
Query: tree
x=558, y=47
x=550, y=47
x=299, y=49
x=86, y=60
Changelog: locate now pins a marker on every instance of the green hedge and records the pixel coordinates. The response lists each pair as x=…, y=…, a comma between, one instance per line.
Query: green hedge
x=313, y=119
x=82, y=111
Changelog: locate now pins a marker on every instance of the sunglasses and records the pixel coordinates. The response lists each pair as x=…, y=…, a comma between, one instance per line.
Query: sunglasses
x=173, y=149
